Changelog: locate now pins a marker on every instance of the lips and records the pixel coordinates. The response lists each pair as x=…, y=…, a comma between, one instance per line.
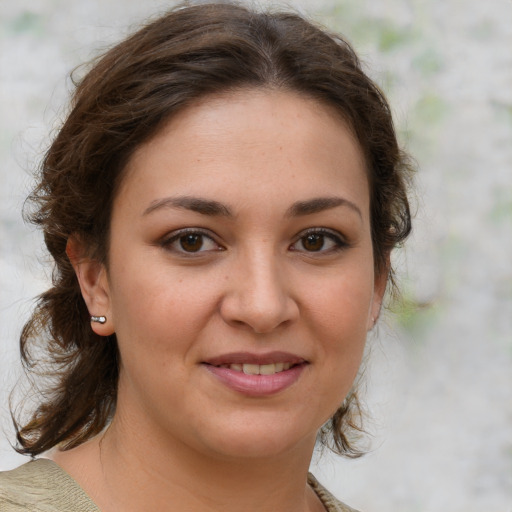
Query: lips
x=249, y=358
x=257, y=374
x=258, y=369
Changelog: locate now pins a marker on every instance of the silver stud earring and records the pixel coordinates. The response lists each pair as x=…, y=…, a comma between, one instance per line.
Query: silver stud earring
x=99, y=319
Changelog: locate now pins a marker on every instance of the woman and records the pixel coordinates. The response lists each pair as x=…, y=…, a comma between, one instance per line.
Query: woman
x=221, y=204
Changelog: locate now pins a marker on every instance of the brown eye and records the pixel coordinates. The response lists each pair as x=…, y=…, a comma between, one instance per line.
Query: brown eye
x=189, y=242
x=313, y=242
x=319, y=240
x=192, y=242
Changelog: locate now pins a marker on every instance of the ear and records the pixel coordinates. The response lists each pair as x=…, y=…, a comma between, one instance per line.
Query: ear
x=92, y=277
x=379, y=289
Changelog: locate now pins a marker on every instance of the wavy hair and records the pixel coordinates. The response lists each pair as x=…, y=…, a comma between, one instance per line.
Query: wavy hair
x=123, y=100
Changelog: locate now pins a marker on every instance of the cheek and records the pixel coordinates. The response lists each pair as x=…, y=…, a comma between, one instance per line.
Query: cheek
x=343, y=301
x=156, y=308
x=338, y=314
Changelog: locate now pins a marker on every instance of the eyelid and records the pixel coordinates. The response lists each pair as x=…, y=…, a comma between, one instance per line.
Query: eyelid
x=167, y=240
x=339, y=240
x=335, y=236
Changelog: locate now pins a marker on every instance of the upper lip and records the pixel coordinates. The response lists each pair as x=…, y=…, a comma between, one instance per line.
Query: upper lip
x=251, y=358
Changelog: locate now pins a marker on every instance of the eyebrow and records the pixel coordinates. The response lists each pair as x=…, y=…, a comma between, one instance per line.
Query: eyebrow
x=319, y=204
x=210, y=207
x=196, y=204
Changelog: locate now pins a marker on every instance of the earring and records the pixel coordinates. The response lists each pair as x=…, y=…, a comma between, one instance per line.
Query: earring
x=99, y=319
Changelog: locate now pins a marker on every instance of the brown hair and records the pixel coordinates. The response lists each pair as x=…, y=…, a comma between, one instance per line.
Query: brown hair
x=122, y=101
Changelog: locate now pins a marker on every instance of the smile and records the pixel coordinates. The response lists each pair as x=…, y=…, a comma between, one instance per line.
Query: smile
x=258, y=369
x=257, y=375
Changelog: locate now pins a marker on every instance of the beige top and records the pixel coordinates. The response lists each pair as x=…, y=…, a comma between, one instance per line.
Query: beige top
x=42, y=486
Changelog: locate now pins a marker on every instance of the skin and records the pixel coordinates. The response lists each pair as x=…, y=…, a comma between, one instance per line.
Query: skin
x=181, y=439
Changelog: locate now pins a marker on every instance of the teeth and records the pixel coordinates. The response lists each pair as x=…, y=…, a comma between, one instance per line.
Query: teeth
x=258, y=369
x=267, y=369
x=251, y=369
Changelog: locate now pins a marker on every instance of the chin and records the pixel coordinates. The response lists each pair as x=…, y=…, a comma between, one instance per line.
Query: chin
x=246, y=441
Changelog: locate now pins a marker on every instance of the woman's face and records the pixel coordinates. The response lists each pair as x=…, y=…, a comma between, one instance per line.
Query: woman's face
x=241, y=280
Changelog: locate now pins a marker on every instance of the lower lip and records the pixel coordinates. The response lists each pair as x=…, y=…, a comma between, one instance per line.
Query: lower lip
x=257, y=385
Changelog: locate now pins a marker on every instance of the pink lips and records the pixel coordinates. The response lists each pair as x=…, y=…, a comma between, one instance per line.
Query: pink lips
x=256, y=385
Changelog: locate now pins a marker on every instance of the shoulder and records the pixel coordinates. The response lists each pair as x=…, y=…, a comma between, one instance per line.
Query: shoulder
x=41, y=486
x=330, y=503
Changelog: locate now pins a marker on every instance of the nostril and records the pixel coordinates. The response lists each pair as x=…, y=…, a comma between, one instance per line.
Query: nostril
x=257, y=295
x=260, y=320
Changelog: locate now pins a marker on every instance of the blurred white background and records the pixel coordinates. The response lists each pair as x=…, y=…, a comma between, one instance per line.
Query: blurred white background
x=439, y=380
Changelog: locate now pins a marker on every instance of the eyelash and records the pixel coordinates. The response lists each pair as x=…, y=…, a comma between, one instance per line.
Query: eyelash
x=337, y=240
x=168, y=242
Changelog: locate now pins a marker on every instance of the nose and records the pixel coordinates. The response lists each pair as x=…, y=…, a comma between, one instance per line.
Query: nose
x=258, y=295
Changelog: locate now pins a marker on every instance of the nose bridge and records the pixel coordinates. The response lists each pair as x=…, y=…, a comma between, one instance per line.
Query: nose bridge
x=258, y=295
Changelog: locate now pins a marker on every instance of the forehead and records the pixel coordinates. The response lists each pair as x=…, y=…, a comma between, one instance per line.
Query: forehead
x=264, y=141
